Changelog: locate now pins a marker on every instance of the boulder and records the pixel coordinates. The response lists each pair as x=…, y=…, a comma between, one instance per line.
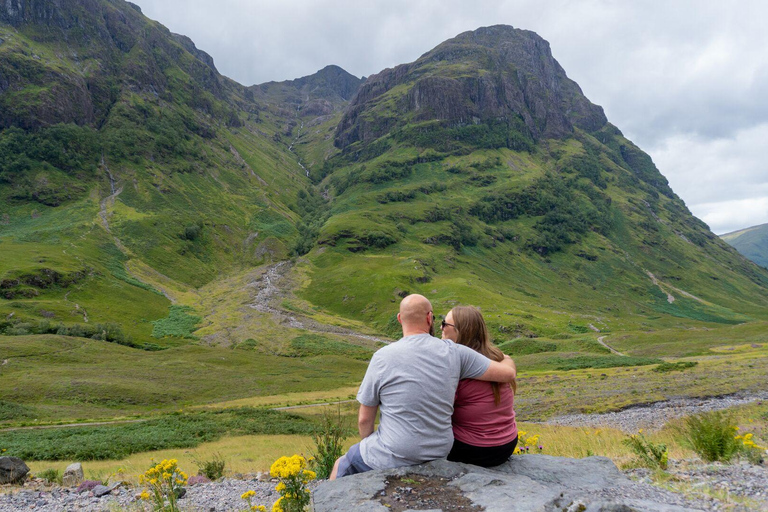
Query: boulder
x=73, y=475
x=12, y=470
x=525, y=482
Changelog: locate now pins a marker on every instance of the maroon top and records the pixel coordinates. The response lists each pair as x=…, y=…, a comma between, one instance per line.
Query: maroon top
x=477, y=420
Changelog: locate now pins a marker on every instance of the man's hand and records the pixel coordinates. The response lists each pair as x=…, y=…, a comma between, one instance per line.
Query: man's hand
x=508, y=361
x=505, y=371
x=366, y=419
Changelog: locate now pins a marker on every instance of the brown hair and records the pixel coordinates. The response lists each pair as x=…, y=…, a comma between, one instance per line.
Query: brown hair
x=473, y=333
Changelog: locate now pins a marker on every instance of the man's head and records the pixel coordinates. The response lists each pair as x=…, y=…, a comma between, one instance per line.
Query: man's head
x=416, y=315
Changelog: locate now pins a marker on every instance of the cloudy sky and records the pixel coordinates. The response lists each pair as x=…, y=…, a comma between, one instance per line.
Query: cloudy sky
x=685, y=80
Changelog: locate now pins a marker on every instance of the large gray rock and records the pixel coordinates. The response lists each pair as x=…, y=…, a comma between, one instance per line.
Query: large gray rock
x=73, y=475
x=12, y=470
x=525, y=483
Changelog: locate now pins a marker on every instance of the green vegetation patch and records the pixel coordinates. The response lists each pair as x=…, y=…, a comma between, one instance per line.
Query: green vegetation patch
x=675, y=367
x=511, y=133
x=308, y=345
x=176, y=430
x=526, y=346
x=688, y=308
x=12, y=411
x=608, y=361
x=178, y=323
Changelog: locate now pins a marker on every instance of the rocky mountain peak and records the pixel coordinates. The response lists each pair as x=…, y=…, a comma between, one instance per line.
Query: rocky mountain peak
x=490, y=73
x=330, y=80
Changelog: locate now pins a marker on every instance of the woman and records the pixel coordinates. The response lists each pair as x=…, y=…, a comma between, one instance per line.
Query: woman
x=484, y=428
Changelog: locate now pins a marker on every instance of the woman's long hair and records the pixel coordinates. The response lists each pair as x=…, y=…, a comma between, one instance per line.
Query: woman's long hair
x=473, y=333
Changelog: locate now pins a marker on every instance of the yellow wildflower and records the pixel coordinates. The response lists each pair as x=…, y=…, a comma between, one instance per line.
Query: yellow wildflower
x=144, y=495
x=248, y=494
x=259, y=508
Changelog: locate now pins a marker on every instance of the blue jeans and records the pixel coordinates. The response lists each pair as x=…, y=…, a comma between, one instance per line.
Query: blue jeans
x=352, y=463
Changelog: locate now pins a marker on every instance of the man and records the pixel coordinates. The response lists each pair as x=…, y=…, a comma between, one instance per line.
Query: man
x=414, y=382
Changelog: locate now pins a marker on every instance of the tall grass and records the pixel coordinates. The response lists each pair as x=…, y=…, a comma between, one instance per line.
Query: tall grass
x=712, y=436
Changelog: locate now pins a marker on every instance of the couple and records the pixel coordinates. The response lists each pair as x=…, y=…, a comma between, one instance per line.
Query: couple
x=414, y=381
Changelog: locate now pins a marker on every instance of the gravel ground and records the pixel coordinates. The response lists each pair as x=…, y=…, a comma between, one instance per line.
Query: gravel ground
x=654, y=416
x=220, y=496
x=744, y=485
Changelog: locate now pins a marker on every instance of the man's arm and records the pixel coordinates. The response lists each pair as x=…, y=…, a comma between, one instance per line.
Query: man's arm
x=366, y=419
x=505, y=371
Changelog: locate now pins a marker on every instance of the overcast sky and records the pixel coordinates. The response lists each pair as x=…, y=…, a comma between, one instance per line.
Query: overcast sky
x=687, y=81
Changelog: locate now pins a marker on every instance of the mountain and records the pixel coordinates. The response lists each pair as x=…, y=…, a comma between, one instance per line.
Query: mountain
x=143, y=191
x=750, y=242
x=481, y=174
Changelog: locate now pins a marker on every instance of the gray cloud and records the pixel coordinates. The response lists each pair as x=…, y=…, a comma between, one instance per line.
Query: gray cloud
x=685, y=80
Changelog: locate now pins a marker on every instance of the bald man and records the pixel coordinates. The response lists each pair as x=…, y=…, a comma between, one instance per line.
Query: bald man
x=413, y=381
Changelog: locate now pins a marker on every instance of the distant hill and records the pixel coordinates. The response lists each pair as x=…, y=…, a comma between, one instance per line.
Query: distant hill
x=751, y=242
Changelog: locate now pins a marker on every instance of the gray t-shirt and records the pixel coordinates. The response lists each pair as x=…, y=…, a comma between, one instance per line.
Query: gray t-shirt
x=413, y=381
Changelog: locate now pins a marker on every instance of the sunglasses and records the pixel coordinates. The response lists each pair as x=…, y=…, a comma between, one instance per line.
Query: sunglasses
x=444, y=323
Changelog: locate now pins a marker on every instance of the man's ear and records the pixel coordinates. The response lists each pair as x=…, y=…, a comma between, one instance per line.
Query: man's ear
x=398, y=319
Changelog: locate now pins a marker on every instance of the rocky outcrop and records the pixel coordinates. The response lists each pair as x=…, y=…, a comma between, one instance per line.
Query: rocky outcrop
x=329, y=81
x=322, y=93
x=491, y=73
x=111, y=47
x=526, y=482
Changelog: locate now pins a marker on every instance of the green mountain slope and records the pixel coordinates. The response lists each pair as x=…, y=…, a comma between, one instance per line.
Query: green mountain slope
x=481, y=174
x=750, y=242
x=124, y=152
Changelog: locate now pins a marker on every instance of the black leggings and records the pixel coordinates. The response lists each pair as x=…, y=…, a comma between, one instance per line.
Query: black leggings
x=485, y=456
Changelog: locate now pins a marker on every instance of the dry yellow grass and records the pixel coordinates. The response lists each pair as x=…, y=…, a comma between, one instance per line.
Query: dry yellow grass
x=288, y=399
x=243, y=454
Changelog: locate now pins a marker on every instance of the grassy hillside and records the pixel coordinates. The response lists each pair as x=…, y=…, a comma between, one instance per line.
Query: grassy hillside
x=752, y=243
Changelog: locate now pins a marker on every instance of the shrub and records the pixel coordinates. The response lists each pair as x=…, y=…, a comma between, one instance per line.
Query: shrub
x=191, y=232
x=712, y=436
x=213, y=468
x=50, y=475
x=329, y=440
x=674, y=367
x=648, y=454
